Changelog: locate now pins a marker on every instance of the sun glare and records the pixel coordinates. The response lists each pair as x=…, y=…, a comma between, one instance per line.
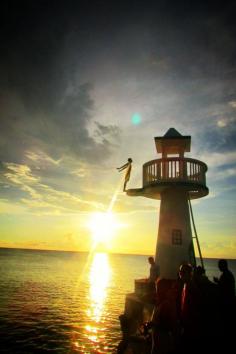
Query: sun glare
x=103, y=227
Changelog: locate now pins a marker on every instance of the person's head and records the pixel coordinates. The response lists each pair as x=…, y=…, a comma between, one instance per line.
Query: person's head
x=151, y=260
x=185, y=272
x=130, y=160
x=199, y=271
x=222, y=264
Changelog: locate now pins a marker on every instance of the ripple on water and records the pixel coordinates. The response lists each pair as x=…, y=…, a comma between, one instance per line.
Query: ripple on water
x=62, y=302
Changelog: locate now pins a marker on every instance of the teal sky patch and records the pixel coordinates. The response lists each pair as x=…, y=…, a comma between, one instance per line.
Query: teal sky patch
x=136, y=118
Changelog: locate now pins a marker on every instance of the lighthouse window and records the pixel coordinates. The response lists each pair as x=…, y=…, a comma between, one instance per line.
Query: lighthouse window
x=176, y=237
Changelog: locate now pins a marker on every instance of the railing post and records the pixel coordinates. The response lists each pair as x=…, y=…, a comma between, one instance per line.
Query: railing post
x=144, y=175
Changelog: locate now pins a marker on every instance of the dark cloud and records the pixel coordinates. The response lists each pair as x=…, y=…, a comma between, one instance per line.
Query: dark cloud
x=51, y=50
x=220, y=139
x=62, y=129
x=109, y=132
x=43, y=104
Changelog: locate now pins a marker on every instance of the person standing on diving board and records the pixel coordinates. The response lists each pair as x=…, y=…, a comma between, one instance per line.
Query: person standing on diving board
x=128, y=167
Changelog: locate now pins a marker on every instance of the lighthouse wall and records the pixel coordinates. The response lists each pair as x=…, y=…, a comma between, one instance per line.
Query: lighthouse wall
x=174, y=242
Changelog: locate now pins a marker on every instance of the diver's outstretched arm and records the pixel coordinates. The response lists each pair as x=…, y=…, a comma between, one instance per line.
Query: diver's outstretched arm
x=122, y=167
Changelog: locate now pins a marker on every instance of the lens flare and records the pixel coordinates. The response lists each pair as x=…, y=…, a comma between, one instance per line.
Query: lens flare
x=136, y=118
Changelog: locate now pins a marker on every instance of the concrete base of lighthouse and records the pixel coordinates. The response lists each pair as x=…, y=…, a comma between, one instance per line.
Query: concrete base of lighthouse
x=139, y=307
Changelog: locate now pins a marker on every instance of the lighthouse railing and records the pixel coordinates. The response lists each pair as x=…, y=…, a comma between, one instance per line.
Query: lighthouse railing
x=174, y=169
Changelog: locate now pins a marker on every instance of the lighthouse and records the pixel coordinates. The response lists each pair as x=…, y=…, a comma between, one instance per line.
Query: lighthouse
x=174, y=180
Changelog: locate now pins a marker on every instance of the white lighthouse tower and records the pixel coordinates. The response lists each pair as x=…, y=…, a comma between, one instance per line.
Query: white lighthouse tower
x=174, y=180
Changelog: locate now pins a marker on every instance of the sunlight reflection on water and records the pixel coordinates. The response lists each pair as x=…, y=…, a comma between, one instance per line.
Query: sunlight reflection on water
x=63, y=301
x=99, y=277
x=67, y=302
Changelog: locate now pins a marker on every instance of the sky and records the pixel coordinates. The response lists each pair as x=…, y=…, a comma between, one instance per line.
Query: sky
x=85, y=85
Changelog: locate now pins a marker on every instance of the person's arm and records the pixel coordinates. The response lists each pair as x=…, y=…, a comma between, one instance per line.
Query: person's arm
x=122, y=167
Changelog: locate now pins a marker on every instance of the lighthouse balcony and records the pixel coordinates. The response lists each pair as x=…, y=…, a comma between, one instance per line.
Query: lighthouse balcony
x=173, y=172
x=175, y=169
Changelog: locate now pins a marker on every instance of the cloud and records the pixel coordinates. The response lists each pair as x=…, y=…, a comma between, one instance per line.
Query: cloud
x=41, y=156
x=221, y=167
x=11, y=208
x=218, y=134
x=109, y=132
x=59, y=131
x=41, y=198
x=232, y=104
x=217, y=159
x=220, y=248
x=51, y=61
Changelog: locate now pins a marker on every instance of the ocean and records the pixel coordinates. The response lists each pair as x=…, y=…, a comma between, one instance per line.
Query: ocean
x=68, y=302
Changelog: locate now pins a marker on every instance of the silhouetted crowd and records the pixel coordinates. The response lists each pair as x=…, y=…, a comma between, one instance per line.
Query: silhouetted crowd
x=193, y=314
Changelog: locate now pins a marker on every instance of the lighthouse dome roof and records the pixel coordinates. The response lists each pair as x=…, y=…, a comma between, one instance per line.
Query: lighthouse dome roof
x=173, y=142
x=172, y=133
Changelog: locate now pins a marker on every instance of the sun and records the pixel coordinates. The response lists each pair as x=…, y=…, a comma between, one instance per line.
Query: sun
x=103, y=227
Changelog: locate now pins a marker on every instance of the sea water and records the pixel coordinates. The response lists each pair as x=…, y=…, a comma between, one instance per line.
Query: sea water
x=68, y=302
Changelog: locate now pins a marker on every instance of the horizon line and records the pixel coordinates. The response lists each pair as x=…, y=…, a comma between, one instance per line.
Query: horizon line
x=76, y=251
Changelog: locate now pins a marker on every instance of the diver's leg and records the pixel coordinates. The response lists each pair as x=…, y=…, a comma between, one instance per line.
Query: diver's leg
x=124, y=188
